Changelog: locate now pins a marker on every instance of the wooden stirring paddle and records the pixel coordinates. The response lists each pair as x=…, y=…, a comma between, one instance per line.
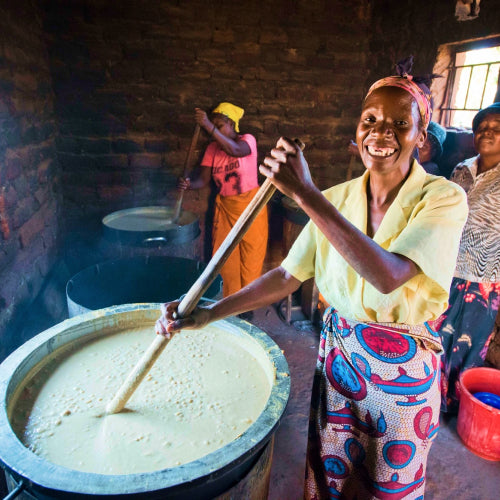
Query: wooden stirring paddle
x=187, y=166
x=192, y=297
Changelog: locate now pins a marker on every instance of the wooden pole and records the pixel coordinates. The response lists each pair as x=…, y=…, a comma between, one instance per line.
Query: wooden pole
x=187, y=166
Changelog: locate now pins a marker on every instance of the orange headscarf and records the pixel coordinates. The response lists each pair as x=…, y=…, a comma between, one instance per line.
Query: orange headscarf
x=419, y=91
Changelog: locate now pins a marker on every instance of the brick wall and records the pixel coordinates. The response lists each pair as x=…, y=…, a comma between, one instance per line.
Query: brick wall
x=404, y=27
x=29, y=177
x=128, y=76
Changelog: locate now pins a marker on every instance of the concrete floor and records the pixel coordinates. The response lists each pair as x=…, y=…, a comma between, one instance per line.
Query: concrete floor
x=453, y=472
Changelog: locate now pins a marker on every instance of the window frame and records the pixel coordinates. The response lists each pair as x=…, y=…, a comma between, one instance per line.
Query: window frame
x=447, y=57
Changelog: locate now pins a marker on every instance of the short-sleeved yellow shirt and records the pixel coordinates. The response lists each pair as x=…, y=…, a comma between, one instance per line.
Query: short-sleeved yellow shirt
x=424, y=223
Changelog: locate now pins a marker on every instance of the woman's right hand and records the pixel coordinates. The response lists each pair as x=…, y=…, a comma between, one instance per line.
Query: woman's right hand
x=169, y=322
x=201, y=118
x=183, y=184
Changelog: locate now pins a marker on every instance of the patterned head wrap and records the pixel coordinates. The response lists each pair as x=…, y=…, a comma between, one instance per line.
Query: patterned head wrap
x=233, y=112
x=416, y=86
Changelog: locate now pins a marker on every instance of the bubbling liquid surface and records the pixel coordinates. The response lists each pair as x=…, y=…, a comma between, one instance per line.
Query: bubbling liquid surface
x=207, y=387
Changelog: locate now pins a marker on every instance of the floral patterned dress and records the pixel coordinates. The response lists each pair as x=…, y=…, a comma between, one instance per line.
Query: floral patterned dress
x=466, y=327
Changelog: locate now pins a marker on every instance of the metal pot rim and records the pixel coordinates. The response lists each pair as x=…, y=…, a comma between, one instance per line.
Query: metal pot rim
x=164, y=211
x=20, y=460
x=187, y=230
x=137, y=267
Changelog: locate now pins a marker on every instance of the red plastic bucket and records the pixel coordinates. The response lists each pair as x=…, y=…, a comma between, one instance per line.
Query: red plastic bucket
x=478, y=424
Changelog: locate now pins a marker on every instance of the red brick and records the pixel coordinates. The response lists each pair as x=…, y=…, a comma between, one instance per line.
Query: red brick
x=111, y=193
x=274, y=37
x=43, y=170
x=32, y=228
x=147, y=160
x=223, y=35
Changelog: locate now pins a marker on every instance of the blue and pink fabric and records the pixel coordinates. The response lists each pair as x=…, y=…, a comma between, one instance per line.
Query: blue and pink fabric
x=374, y=411
x=466, y=329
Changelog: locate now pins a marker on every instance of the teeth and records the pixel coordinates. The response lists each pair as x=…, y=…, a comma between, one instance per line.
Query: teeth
x=380, y=151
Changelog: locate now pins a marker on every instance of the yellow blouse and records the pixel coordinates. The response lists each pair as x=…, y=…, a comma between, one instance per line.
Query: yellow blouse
x=424, y=223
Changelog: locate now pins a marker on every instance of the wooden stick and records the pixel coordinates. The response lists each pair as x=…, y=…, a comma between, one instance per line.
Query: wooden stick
x=187, y=165
x=190, y=300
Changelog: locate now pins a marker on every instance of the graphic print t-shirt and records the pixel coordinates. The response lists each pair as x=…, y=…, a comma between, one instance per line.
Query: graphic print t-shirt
x=232, y=175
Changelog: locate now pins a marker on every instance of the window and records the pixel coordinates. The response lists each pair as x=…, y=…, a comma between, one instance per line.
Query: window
x=472, y=83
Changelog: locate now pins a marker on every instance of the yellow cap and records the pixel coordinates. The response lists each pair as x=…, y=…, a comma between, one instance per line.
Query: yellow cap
x=231, y=111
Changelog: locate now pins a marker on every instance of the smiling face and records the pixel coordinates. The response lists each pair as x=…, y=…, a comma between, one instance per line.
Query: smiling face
x=389, y=130
x=487, y=137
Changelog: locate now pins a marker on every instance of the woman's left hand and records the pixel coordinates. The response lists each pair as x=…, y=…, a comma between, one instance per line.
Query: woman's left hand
x=169, y=322
x=287, y=169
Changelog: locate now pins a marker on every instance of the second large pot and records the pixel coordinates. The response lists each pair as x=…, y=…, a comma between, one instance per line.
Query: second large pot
x=134, y=280
x=150, y=231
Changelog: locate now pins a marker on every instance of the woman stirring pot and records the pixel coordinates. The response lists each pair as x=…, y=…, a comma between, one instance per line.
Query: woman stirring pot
x=382, y=249
x=231, y=161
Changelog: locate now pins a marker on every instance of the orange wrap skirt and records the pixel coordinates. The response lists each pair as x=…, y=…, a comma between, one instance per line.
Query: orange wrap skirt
x=244, y=265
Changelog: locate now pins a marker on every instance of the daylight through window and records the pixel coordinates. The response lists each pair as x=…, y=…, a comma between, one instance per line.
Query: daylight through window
x=473, y=84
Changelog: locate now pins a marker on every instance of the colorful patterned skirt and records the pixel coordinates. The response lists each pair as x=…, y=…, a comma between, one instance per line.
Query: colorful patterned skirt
x=466, y=329
x=374, y=410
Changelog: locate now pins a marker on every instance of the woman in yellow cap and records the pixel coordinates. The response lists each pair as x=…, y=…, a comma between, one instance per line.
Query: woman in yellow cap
x=231, y=161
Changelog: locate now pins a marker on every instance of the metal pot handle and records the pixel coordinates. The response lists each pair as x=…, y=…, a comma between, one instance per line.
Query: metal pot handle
x=17, y=490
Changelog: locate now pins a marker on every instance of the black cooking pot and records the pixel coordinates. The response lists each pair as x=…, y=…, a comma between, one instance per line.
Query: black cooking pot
x=134, y=280
x=151, y=226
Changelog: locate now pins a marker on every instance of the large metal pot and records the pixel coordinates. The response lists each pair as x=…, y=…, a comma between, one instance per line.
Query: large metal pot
x=134, y=280
x=204, y=478
x=150, y=226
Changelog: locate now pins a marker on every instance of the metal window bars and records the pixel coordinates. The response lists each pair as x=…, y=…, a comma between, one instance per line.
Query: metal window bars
x=460, y=100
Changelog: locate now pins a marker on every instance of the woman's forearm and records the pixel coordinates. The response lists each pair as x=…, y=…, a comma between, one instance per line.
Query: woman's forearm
x=386, y=271
x=269, y=288
x=201, y=179
x=236, y=148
